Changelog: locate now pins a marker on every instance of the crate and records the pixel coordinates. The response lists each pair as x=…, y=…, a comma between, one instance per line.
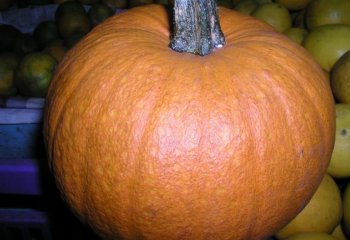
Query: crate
x=21, y=128
x=24, y=224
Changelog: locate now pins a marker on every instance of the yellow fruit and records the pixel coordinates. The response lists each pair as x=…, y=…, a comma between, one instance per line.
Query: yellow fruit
x=338, y=233
x=274, y=14
x=312, y=236
x=8, y=63
x=246, y=6
x=322, y=214
x=340, y=162
x=340, y=79
x=346, y=204
x=296, y=34
x=294, y=4
x=322, y=12
x=34, y=74
x=327, y=43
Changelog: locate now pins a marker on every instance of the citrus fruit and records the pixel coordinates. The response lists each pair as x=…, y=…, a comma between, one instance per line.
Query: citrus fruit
x=274, y=14
x=294, y=4
x=340, y=78
x=8, y=63
x=322, y=12
x=322, y=214
x=346, y=204
x=73, y=39
x=69, y=7
x=56, y=51
x=72, y=23
x=327, y=43
x=45, y=31
x=339, y=165
x=338, y=233
x=246, y=6
x=312, y=236
x=34, y=73
x=99, y=12
x=296, y=34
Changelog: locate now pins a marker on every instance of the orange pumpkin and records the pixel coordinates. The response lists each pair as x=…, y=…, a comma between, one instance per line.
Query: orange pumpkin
x=149, y=143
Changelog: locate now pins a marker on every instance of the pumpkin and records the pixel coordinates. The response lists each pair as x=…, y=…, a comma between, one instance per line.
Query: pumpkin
x=149, y=143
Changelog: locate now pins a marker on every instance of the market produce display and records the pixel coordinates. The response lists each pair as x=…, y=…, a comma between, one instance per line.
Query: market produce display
x=320, y=27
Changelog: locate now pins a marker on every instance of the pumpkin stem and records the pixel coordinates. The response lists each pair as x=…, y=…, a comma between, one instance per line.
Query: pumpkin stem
x=196, y=27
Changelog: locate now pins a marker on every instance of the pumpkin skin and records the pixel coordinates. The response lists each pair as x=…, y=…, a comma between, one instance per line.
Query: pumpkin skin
x=148, y=143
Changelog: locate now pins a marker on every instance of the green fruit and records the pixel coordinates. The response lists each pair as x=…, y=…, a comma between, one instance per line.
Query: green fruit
x=45, y=32
x=8, y=64
x=327, y=43
x=274, y=14
x=322, y=12
x=99, y=12
x=34, y=74
x=296, y=34
x=246, y=6
x=340, y=79
x=340, y=162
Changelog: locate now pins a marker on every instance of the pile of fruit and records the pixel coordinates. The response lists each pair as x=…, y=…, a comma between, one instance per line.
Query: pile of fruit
x=28, y=60
x=322, y=27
